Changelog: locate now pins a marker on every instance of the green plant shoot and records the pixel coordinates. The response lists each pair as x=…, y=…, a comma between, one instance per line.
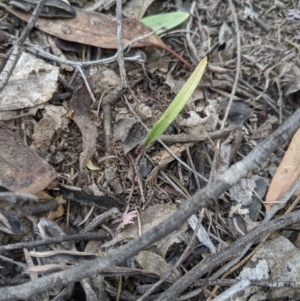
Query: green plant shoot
x=163, y=22
x=177, y=104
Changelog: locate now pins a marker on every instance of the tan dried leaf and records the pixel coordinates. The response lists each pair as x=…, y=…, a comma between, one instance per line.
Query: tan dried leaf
x=287, y=173
x=92, y=28
x=21, y=168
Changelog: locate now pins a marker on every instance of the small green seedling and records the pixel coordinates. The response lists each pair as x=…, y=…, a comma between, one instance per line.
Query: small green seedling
x=177, y=104
x=163, y=22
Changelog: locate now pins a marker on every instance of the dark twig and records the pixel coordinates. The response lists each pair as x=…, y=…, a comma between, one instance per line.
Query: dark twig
x=54, y=240
x=201, y=199
x=120, y=44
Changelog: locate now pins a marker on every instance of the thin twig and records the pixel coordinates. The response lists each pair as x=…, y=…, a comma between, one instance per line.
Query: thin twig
x=86, y=84
x=189, y=41
x=238, y=62
x=53, y=240
x=120, y=44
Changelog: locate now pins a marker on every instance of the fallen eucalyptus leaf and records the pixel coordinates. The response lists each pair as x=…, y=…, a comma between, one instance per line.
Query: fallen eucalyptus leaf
x=92, y=28
x=287, y=174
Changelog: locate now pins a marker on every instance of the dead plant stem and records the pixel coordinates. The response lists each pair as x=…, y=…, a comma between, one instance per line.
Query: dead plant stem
x=120, y=44
x=238, y=62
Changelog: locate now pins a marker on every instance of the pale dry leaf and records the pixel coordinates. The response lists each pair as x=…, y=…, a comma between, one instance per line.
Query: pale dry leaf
x=196, y=124
x=287, y=173
x=32, y=82
x=164, y=157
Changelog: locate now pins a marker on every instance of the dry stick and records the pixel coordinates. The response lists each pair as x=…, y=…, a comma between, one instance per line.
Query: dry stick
x=184, y=138
x=234, y=88
x=189, y=41
x=238, y=287
x=32, y=244
x=16, y=50
x=120, y=44
x=87, y=85
x=238, y=61
x=229, y=282
x=204, y=198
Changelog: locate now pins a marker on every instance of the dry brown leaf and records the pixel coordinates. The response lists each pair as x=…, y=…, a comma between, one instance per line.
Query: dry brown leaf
x=164, y=157
x=54, y=118
x=80, y=105
x=287, y=173
x=22, y=169
x=95, y=29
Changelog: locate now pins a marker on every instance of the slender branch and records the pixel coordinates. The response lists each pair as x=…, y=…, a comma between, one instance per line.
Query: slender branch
x=238, y=62
x=120, y=44
x=54, y=240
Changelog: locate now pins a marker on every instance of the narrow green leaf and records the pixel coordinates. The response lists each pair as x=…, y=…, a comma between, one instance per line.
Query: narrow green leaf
x=164, y=22
x=177, y=104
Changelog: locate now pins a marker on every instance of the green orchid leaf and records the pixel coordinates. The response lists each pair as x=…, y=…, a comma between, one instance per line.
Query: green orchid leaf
x=163, y=22
x=177, y=104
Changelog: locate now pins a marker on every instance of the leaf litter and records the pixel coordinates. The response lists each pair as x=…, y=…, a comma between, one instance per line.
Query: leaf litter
x=72, y=130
